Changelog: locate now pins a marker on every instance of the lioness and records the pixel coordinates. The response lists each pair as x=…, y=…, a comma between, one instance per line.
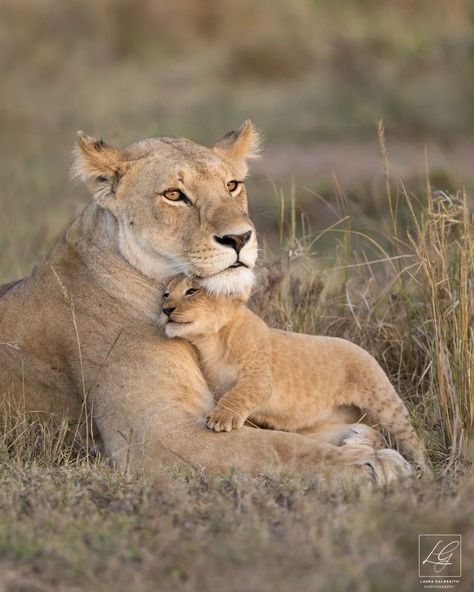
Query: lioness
x=78, y=336
x=283, y=380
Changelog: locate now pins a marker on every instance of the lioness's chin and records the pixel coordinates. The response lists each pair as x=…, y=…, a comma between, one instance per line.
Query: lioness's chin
x=230, y=281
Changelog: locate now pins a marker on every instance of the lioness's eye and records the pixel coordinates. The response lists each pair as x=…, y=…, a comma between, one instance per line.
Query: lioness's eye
x=191, y=291
x=175, y=195
x=165, y=295
x=232, y=186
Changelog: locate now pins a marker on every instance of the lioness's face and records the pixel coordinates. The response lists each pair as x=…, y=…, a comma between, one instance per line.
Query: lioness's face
x=179, y=206
x=188, y=310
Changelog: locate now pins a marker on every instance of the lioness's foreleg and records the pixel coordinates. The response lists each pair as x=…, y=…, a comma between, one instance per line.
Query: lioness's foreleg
x=259, y=451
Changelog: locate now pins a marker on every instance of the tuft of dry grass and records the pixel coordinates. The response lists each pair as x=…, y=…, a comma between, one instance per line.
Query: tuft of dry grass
x=27, y=437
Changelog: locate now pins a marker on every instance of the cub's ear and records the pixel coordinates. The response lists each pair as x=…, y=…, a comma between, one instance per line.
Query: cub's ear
x=98, y=165
x=239, y=146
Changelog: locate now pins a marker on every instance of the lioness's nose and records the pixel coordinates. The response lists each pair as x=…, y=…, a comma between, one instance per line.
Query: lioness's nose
x=235, y=241
x=169, y=311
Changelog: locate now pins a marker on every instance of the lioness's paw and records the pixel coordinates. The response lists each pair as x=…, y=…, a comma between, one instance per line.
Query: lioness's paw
x=223, y=420
x=385, y=465
x=388, y=466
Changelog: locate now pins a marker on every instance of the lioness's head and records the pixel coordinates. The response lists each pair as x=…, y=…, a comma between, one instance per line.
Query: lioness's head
x=178, y=206
x=189, y=310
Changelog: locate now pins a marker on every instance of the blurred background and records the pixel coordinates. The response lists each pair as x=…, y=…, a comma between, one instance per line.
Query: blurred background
x=314, y=75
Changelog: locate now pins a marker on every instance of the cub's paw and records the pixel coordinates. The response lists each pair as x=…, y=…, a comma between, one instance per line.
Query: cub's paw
x=224, y=420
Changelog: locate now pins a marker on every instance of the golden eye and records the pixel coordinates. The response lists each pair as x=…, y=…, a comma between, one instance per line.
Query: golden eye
x=232, y=186
x=176, y=195
x=173, y=194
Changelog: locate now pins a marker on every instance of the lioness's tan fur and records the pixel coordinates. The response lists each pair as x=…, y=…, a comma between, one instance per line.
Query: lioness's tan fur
x=283, y=380
x=78, y=336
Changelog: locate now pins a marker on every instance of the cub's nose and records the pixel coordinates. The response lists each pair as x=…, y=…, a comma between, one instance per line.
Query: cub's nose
x=169, y=311
x=234, y=241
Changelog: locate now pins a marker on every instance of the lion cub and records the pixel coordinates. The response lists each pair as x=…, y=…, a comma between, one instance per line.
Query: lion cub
x=278, y=379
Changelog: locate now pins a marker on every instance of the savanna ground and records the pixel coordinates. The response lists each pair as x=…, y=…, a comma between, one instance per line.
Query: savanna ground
x=375, y=247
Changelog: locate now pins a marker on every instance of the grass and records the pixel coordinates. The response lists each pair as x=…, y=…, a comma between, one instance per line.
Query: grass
x=82, y=529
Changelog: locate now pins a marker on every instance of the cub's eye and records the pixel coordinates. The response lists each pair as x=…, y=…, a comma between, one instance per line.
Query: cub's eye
x=175, y=195
x=191, y=291
x=165, y=295
x=233, y=186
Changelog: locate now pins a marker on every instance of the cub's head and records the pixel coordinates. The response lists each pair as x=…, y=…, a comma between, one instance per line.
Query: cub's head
x=178, y=206
x=189, y=310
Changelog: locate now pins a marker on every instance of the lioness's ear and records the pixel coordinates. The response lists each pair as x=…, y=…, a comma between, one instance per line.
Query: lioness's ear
x=239, y=146
x=98, y=165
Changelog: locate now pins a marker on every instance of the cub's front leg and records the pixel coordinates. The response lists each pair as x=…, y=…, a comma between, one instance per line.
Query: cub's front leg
x=252, y=362
x=224, y=418
x=236, y=405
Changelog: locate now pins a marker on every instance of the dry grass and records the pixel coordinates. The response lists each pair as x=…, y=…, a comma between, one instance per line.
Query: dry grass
x=83, y=529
